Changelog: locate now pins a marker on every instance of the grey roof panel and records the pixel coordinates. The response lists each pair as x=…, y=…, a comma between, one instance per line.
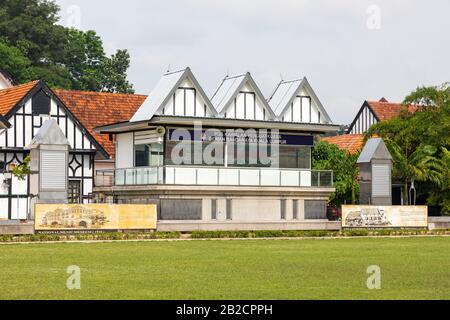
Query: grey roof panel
x=158, y=95
x=374, y=148
x=226, y=91
x=163, y=91
x=283, y=94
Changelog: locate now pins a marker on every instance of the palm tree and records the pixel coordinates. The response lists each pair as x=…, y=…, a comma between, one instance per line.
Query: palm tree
x=418, y=165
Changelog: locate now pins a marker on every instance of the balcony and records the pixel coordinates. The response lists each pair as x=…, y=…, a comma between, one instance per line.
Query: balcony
x=214, y=176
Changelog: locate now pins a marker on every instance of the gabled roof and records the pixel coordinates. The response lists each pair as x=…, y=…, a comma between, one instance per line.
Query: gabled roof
x=94, y=109
x=385, y=110
x=230, y=88
x=375, y=148
x=164, y=90
x=352, y=143
x=10, y=97
x=287, y=91
x=87, y=109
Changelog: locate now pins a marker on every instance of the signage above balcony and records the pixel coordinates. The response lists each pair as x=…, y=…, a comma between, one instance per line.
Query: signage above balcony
x=240, y=136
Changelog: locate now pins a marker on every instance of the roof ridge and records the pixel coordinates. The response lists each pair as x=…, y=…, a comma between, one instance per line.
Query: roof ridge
x=293, y=80
x=99, y=92
x=175, y=71
x=236, y=75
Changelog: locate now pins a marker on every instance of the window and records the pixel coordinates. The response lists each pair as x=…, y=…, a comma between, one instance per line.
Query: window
x=40, y=103
x=241, y=153
x=381, y=182
x=148, y=155
x=295, y=209
x=74, y=191
x=283, y=209
x=295, y=157
x=214, y=209
x=315, y=209
x=53, y=170
x=229, y=210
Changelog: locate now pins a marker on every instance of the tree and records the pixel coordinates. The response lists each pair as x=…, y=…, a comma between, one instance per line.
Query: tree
x=418, y=135
x=65, y=58
x=90, y=69
x=420, y=165
x=15, y=63
x=442, y=197
x=114, y=71
x=345, y=171
x=83, y=58
x=30, y=26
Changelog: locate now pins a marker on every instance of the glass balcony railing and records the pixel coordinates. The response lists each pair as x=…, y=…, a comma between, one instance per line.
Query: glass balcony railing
x=214, y=176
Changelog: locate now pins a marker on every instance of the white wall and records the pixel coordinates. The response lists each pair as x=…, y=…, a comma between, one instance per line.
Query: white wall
x=248, y=106
x=124, y=150
x=365, y=120
x=190, y=105
x=256, y=209
x=303, y=109
x=22, y=132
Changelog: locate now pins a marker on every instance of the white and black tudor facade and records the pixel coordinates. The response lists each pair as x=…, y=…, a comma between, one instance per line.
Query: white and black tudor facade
x=26, y=108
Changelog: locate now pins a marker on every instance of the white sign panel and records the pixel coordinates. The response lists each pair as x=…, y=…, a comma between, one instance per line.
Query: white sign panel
x=355, y=216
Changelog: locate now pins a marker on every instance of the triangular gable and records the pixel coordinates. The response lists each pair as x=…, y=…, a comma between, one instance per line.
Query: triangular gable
x=15, y=98
x=363, y=107
x=160, y=96
x=49, y=134
x=230, y=88
x=287, y=91
x=375, y=148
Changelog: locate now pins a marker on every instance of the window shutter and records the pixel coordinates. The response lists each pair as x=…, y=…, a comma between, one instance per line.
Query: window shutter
x=40, y=104
x=53, y=173
x=381, y=180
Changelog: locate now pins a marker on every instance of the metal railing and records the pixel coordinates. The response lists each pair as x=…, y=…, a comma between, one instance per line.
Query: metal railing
x=214, y=176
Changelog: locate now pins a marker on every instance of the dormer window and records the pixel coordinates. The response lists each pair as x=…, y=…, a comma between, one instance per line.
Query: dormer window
x=41, y=104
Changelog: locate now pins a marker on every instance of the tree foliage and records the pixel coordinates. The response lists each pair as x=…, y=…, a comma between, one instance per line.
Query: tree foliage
x=419, y=166
x=419, y=142
x=34, y=46
x=329, y=157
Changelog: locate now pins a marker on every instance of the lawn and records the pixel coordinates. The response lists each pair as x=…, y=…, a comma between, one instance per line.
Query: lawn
x=411, y=268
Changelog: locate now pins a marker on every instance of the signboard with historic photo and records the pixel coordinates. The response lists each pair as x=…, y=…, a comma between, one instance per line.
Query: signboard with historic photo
x=384, y=216
x=94, y=217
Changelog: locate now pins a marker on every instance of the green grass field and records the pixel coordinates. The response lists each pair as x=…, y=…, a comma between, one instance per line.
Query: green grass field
x=411, y=268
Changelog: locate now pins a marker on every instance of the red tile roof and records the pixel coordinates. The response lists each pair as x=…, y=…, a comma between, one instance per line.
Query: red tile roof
x=10, y=97
x=352, y=143
x=94, y=109
x=386, y=110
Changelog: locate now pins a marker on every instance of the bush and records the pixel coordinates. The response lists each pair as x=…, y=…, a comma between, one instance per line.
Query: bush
x=106, y=236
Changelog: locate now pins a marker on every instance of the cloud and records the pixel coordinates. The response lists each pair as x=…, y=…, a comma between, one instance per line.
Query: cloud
x=326, y=40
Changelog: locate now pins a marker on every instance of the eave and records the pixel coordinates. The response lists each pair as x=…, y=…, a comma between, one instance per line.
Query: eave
x=217, y=123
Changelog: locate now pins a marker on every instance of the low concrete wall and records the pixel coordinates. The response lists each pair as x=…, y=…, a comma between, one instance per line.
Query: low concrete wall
x=438, y=223
x=186, y=226
x=16, y=228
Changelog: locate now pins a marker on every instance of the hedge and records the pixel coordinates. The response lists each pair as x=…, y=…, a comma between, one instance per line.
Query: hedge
x=107, y=236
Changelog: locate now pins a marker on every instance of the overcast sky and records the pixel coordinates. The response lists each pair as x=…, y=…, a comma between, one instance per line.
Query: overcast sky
x=350, y=51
